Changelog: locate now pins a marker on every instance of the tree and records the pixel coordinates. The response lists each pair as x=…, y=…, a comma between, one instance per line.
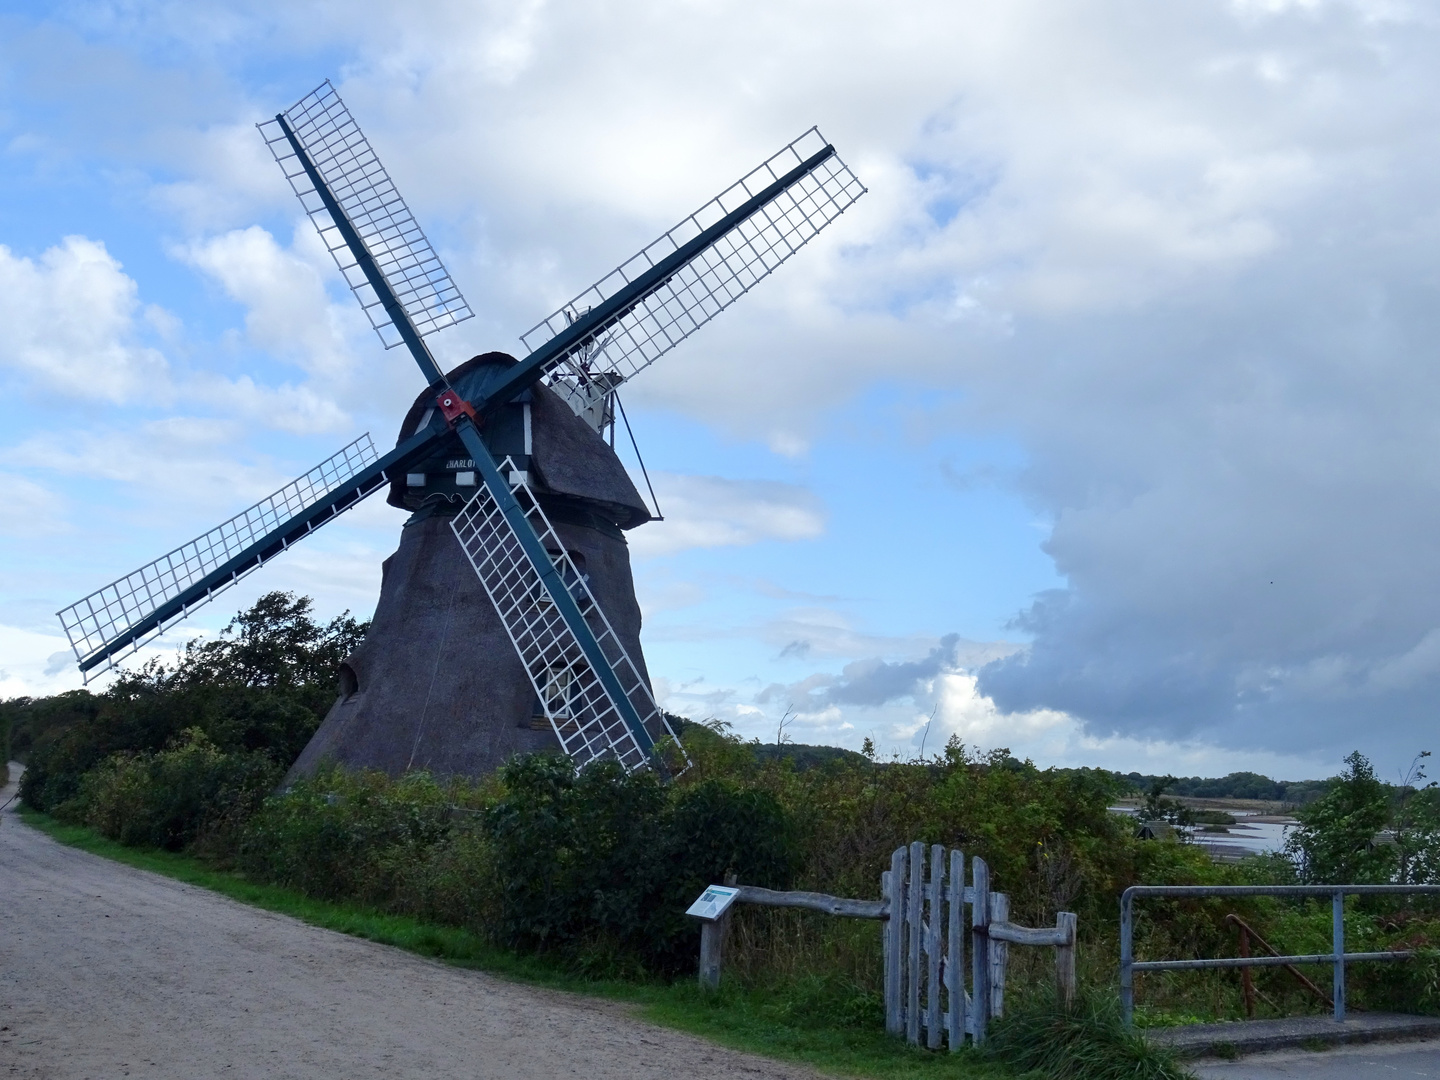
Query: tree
x=1417, y=826
x=1158, y=808
x=1335, y=841
x=274, y=644
x=262, y=685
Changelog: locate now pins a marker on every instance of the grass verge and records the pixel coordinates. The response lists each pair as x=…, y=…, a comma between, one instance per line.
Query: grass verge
x=794, y=1023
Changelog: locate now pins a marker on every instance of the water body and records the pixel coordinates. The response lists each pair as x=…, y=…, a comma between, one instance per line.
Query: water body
x=1252, y=834
x=1247, y=837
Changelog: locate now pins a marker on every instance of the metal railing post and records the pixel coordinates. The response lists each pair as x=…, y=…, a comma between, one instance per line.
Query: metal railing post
x=1127, y=957
x=1337, y=904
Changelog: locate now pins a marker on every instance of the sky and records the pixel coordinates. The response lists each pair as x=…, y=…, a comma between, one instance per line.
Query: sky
x=1105, y=427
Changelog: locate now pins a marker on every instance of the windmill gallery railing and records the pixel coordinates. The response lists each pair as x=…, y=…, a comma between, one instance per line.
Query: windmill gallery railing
x=923, y=941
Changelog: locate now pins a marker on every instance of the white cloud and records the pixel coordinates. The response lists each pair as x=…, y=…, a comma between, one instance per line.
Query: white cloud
x=196, y=467
x=712, y=511
x=1052, y=737
x=29, y=667
x=662, y=592
x=302, y=410
x=35, y=663
x=69, y=321
x=288, y=312
x=230, y=175
x=949, y=704
x=30, y=509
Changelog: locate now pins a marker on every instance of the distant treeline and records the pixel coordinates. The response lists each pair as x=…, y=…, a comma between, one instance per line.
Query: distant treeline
x=1238, y=785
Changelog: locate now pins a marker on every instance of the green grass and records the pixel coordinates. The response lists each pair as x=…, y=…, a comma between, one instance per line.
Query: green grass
x=793, y=1023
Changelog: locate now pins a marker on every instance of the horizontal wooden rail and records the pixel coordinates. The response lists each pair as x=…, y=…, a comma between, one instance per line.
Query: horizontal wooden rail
x=1062, y=933
x=1266, y=961
x=814, y=901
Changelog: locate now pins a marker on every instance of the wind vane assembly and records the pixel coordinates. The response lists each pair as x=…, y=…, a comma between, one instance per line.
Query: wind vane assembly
x=595, y=697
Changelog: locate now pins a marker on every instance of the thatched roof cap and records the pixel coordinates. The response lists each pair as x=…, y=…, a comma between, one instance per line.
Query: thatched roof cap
x=568, y=457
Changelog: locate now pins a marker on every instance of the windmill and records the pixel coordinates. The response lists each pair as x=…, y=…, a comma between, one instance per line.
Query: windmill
x=585, y=675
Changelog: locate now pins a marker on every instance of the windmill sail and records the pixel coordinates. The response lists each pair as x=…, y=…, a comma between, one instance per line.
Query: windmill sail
x=367, y=198
x=118, y=619
x=648, y=305
x=583, y=713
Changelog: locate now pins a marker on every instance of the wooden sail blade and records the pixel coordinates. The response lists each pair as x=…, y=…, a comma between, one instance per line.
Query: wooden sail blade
x=115, y=621
x=372, y=207
x=578, y=697
x=652, y=302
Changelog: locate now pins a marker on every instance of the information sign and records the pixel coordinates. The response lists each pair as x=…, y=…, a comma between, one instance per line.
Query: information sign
x=713, y=902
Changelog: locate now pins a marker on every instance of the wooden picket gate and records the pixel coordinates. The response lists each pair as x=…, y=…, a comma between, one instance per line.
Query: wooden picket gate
x=924, y=942
x=924, y=947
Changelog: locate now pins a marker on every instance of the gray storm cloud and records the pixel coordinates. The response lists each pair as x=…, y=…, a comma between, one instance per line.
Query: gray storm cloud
x=875, y=681
x=1245, y=498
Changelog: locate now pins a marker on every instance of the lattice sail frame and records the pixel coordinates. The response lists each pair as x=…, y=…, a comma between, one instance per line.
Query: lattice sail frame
x=374, y=208
x=107, y=613
x=583, y=717
x=715, y=278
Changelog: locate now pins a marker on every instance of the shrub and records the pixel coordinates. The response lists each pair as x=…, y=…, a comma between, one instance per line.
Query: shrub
x=1335, y=840
x=174, y=798
x=330, y=835
x=263, y=684
x=603, y=865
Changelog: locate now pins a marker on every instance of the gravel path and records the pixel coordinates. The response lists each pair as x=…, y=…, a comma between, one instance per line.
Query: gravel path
x=106, y=971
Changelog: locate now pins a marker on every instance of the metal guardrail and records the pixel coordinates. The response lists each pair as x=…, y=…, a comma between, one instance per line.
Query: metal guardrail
x=1338, y=957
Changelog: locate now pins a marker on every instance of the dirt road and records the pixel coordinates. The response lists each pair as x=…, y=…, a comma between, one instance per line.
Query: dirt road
x=107, y=972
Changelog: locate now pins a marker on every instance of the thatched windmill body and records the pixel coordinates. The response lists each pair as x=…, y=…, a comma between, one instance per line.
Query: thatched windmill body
x=437, y=684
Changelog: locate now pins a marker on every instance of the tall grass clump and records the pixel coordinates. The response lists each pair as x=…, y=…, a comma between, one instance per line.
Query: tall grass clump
x=1087, y=1041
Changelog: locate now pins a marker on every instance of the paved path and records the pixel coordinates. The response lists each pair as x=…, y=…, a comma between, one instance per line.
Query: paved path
x=106, y=971
x=1390, y=1061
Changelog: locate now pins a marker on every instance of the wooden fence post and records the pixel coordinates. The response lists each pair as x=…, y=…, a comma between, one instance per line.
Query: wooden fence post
x=1247, y=984
x=1067, y=921
x=979, y=948
x=955, y=952
x=887, y=957
x=999, y=954
x=895, y=944
x=915, y=899
x=934, y=935
x=712, y=945
x=711, y=949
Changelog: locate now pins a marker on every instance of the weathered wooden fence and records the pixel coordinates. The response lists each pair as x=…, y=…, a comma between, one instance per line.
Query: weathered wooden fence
x=924, y=943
